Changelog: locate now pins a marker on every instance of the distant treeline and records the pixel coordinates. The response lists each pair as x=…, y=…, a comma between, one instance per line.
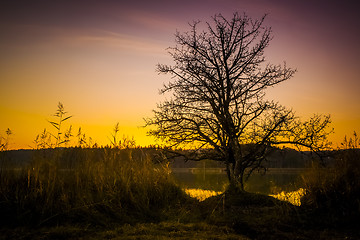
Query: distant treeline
x=279, y=158
x=67, y=157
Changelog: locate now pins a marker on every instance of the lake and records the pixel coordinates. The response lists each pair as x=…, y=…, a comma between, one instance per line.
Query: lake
x=274, y=181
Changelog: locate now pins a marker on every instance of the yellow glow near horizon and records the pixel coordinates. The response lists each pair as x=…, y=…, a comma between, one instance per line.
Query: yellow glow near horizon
x=26, y=126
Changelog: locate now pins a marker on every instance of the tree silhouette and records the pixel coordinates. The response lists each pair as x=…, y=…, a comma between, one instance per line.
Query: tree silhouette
x=217, y=98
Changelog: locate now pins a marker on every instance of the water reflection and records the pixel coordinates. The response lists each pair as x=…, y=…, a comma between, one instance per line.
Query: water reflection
x=274, y=181
x=202, y=180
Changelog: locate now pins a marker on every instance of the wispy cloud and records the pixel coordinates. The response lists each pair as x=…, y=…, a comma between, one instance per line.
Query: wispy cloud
x=38, y=36
x=118, y=41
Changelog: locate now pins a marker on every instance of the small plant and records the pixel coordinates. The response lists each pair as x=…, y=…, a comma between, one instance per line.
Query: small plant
x=62, y=117
x=113, y=139
x=81, y=138
x=62, y=138
x=4, y=142
x=43, y=140
x=124, y=143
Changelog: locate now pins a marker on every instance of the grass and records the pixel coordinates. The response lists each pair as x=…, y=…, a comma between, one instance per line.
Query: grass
x=333, y=190
x=83, y=184
x=162, y=230
x=111, y=193
x=86, y=186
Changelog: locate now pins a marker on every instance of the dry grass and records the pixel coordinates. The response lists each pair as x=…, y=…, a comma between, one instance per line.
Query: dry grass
x=333, y=190
x=86, y=185
x=83, y=185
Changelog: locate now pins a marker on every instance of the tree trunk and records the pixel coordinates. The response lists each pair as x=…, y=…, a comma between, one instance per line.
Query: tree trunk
x=234, y=166
x=236, y=180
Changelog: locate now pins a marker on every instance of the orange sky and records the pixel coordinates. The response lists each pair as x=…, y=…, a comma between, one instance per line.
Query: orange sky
x=99, y=59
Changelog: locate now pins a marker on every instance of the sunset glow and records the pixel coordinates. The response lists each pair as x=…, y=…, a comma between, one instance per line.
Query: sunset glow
x=98, y=58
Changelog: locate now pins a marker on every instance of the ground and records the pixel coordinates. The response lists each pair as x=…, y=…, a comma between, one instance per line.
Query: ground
x=227, y=216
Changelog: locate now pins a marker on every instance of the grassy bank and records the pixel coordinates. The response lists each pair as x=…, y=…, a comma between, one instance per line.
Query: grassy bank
x=86, y=186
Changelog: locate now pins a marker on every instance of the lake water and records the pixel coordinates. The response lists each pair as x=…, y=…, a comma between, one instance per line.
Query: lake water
x=274, y=181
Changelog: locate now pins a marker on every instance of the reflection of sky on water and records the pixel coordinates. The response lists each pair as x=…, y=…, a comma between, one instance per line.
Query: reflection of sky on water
x=266, y=184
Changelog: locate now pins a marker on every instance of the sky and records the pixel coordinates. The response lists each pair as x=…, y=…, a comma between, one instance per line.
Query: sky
x=99, y=58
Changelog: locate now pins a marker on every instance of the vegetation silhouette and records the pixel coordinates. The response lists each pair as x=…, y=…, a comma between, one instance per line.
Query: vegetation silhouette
x=94, y=185
x=333, y=190
x=218, y=107
x=4, y=141
x=127, y=192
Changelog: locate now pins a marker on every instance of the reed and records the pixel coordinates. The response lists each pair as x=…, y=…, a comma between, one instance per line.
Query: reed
x=334, y=189
x=4, y=141
x=86, y=186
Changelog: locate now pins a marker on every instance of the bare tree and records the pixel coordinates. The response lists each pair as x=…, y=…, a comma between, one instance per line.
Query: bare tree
x=219, y=80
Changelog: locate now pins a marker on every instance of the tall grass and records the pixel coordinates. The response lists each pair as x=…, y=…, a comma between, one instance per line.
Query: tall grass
x=86, y=185
x=4, y=141
x=334, y=189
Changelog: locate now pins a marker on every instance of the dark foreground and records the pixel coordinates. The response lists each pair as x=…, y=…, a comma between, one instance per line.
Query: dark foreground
x=129, y=194
x=234, y=215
